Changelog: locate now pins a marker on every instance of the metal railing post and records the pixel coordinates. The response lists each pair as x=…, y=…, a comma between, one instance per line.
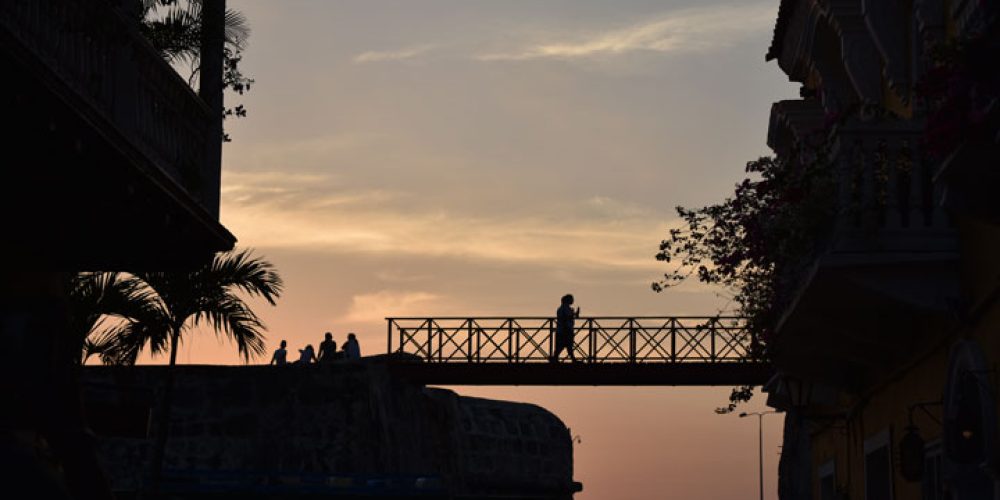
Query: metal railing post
x=631, y=340
x=430, y=340
x=552, y=339
x=593, y=341
x=469, y=349
x=517, y=345
x=388, y=335
x=479, y=344
x=510, y=340
x=673, y=340
x=713, y=357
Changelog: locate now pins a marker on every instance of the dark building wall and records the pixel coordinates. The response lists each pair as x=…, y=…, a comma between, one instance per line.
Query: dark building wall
x=340, y=419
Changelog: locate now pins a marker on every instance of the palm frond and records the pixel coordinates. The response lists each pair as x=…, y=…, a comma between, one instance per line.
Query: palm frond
x=132, y=298
x=86, y=291
x=177, y=291
x=175, y=31
x=252, y=275
x=94, y=295
x=231, y=316
x=128, y=303
x=164, y=302
x=237, y=30
x=122, y=343
x=91, y=348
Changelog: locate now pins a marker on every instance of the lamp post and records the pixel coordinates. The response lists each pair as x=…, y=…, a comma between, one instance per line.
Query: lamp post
x=760, y=444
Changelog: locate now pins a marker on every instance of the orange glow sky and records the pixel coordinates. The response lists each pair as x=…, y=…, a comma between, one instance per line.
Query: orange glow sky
x=428, y=157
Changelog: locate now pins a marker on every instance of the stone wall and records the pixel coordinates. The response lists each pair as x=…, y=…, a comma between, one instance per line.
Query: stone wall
x=346, y=419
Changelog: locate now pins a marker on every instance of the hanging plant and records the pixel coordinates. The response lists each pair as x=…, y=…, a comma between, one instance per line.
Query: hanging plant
x=962, y=90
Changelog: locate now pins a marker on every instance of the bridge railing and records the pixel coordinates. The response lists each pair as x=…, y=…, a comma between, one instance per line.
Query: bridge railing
x=610, y=339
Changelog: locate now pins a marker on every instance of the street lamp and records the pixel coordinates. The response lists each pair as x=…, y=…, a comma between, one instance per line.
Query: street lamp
x=760, y=443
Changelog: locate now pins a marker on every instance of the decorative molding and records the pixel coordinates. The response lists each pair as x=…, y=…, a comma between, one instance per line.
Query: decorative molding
x=930, y=19
x=837, y=94
x=858, y=52
x=967, y=15
x=796, y=121
x=795, y=58
x=885, y=19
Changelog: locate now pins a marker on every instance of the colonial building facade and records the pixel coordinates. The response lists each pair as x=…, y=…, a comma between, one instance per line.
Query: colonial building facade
x=889, y=350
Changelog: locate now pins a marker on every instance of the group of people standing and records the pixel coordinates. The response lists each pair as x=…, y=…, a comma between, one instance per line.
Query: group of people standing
x=327, y=351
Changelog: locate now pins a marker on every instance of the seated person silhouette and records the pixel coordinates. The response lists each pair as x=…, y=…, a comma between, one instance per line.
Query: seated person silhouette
x=280, y=355
x=306, y=356
x=351, y=347
x=327, y=349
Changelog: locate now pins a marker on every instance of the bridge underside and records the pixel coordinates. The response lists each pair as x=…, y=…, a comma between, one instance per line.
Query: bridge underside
x=583, y=374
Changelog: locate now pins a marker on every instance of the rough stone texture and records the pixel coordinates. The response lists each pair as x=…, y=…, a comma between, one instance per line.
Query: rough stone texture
x=344, y=418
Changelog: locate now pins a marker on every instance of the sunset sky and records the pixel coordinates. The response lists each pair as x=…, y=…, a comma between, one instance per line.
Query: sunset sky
x=473, y=157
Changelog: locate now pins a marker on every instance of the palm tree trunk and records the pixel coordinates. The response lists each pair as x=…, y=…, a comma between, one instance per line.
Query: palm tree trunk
x=163, y=418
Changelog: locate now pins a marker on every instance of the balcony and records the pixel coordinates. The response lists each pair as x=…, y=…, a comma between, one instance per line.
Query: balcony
x=115, y=160
x=887, y=275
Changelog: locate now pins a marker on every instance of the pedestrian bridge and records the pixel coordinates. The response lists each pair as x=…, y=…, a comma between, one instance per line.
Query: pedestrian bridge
x=610, y=350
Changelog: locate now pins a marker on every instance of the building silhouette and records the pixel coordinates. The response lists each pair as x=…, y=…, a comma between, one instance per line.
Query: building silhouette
x=888, y=352
x=111, y=162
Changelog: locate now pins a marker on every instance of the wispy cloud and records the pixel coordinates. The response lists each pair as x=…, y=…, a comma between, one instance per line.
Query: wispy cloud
x=687, y=30
x=289, y=212
x=375, y=307
x=392, y=55
x=309, y=191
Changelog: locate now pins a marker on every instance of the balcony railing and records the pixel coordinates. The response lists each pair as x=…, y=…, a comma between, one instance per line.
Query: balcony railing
x=99, y=56
x=886, y=180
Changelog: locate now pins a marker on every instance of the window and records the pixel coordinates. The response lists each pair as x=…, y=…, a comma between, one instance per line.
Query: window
x=827, y=474
x=878, y=467
x=932, y=487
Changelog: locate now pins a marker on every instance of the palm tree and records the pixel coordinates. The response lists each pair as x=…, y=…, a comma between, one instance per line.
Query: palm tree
x=97, y=297
x=176, y=302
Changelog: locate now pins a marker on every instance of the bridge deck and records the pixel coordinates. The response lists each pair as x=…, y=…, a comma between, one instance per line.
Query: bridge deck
x=583, y=374
x=661, y=351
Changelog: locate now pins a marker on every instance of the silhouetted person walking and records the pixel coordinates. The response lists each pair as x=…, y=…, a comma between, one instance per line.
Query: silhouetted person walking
x=307, y=355
x=351, y=347
x=280, y=356
x=327, y=349
x=565, y=327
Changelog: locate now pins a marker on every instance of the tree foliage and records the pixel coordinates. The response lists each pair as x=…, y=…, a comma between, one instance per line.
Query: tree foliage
x=100, y=305
x=117, y=316
x=757, y=242
x=174, y=28
x=176, y=302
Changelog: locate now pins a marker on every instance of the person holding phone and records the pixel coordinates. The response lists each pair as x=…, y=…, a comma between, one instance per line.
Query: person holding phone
x=565, y=328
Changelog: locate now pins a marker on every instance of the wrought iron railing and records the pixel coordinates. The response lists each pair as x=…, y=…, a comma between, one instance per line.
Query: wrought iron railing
x=610, y=339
